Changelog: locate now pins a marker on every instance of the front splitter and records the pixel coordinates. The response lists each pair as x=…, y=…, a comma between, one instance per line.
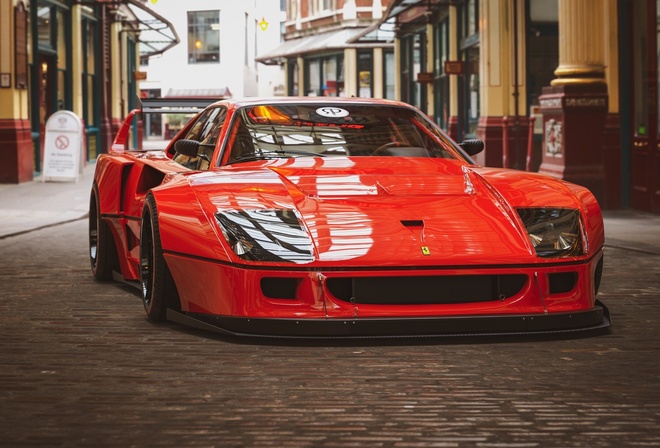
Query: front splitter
x=595, y=318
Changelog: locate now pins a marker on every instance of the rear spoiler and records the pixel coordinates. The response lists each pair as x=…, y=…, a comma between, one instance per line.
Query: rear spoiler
x=174, y=105
x=158, y=106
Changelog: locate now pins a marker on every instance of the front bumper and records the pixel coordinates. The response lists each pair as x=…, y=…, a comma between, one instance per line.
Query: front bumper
x=595, y=318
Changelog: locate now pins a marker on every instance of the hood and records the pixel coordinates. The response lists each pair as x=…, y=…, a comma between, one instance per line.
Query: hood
x=378, y=212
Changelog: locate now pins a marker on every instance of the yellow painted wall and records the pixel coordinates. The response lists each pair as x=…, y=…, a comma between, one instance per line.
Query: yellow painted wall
x=497, y=63
x=13, y=102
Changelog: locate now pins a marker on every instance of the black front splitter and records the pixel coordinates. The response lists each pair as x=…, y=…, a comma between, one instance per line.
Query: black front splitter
x=596, y=318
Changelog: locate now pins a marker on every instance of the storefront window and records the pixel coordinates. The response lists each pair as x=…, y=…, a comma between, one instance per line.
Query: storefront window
x=441, y=80
x=472, y=100
x=468, y=19
x=203, y=37
x=89, y=86
x=389, y=75
x=330, y=77
x=45, y=23
x=325, y=76
x=412, y=61
x=314, y=78
x=292, y=77
x=365, y=70
x=469, y=53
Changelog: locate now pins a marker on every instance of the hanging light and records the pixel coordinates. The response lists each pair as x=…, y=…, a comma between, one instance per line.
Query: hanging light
x=263, y=24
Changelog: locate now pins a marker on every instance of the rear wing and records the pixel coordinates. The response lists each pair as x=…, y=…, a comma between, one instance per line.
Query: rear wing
x=158, y=106
x=174, y=105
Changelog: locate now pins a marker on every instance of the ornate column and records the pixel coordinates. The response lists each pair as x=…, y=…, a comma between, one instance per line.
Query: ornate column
x=575, y=106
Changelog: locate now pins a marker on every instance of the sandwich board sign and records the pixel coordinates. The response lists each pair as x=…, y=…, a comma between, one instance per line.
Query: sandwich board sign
x=63, y=147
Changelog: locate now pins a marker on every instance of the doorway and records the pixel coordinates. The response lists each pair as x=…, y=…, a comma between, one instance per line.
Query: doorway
x=645, y=116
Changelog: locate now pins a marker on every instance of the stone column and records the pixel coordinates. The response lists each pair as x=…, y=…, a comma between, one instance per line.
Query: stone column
x=575, y=106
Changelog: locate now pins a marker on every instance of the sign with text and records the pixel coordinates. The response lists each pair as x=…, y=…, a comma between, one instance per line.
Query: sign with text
x=454, y=67
x=63, y=144
x=425, y=77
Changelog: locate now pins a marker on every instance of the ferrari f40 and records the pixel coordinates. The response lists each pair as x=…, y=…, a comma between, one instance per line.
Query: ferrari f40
x=340, y=217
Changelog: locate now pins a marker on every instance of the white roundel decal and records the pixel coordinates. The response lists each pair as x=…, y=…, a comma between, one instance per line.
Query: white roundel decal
x=332, y=112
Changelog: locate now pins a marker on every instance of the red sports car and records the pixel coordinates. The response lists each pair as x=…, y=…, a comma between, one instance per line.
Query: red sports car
x=338, y=217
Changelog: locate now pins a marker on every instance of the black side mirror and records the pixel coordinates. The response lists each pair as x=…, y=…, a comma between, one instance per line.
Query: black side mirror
x=472, y=146
x=188, y=148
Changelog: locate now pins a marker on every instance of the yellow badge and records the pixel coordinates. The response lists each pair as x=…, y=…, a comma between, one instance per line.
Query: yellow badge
x=425, y=250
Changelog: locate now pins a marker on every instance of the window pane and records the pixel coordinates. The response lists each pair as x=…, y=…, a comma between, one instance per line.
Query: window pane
x=203, y=37
x=640, y=48
x=314, y=78
x=330, y=75
x=389, y=90
x=365, y=65
x=45, y=26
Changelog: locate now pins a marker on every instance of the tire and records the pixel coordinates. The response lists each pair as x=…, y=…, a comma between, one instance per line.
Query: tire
x=158, y=288
x=102, y=250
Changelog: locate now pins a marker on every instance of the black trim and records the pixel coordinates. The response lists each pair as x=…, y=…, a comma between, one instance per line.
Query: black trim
x=120, y=216
x=596, y=318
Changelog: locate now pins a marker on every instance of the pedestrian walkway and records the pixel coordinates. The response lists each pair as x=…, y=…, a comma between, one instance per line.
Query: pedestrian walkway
x=33, y=205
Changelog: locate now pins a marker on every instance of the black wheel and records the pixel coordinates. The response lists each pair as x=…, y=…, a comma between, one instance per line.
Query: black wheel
x=102, y=250
x=158, y=289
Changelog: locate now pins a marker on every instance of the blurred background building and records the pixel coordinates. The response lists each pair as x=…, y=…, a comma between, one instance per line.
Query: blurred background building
x=563, y=87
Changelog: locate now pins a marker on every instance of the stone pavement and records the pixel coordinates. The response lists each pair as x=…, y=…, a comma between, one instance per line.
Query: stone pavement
x=80, y=366
x=33, y=205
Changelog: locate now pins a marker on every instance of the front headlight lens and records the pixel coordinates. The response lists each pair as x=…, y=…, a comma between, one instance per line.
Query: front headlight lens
x=266, y=235
x=554, y=232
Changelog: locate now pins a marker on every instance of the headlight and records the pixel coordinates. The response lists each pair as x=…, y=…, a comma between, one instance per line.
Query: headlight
x=266, y=235
x=554, y=232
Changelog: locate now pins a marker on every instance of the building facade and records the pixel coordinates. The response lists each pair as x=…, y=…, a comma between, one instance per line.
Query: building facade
x=220, y=40
x=563, y=87
x=79, y=56
x=331, y=48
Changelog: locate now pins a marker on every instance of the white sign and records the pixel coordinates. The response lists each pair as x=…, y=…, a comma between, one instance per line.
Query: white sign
x=332, y=112
x=63, y=147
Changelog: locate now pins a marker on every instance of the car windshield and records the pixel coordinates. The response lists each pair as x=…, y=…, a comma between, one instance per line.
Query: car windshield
x=290, y=130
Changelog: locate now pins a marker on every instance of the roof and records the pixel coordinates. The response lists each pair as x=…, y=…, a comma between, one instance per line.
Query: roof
x=387, y=24
x=156, y=34
x=331, y=40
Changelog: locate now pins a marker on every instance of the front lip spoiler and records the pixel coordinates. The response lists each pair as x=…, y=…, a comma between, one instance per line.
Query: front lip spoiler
x=595, y=318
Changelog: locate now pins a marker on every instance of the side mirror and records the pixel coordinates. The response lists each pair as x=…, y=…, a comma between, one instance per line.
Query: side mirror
x=472, y=146
x=188, y=148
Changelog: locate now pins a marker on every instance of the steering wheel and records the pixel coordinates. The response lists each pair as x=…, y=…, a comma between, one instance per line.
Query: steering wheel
x=381, y=149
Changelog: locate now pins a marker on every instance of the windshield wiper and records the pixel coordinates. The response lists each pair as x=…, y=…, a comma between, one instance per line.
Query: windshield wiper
x=273, y=154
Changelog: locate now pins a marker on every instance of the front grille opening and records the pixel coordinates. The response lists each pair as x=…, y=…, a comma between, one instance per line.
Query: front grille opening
x=424, y=290
x=279, y=288
x=562, y=282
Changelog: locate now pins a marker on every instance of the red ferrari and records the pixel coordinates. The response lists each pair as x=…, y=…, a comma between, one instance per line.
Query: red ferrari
x=341, y=217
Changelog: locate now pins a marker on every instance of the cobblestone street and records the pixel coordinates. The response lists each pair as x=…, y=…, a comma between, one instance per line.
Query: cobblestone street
x=81, y=366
